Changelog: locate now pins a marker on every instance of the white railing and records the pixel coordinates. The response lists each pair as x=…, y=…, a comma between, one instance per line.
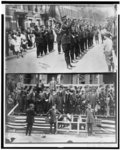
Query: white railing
x=13, y=109
x=80, y=125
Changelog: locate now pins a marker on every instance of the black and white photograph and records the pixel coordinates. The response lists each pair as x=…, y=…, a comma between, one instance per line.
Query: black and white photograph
x=61, y=38
x=68, y=108
x=60, y=74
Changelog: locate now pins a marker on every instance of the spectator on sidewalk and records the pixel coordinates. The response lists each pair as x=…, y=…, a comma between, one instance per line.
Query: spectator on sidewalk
x=108, y=47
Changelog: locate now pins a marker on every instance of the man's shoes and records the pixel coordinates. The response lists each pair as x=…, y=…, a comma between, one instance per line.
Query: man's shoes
x=69, y=67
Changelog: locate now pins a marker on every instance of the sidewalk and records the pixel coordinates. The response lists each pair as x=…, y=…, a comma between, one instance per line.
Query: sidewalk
x=11, y=56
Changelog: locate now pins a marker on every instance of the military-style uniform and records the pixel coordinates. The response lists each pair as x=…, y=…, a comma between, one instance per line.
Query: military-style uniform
x=89, y=38
x=39, y=42
x=86, y=37
x=77, y=48
x=66, y=40
x=72, y=45
x=82, y=40
x=45, y=35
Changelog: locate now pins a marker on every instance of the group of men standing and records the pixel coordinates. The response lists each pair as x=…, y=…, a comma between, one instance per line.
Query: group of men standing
x=75, y=39
x=72, y=36
x=44, y=38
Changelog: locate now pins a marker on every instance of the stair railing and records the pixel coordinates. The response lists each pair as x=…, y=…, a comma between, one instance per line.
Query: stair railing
x=13, y=109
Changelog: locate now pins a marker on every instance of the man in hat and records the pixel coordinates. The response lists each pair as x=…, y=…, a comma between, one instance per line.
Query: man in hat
x=50, y=39
x=30, y=118
x=82, y=39
x=39, y=40
x=66, y=41
x=108, y=47
x=45, y=39
x=90, y=120
x=52, y=113
x=41, y=85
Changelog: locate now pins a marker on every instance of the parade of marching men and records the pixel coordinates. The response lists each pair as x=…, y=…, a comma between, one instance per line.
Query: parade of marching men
x=70, y=35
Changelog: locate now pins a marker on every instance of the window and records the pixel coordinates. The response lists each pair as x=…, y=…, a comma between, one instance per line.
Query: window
x=29, y=7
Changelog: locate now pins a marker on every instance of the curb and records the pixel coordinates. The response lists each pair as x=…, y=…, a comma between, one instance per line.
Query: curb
x=14, y=56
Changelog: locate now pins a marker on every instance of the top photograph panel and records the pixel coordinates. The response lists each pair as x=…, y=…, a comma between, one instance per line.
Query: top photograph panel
x=60, y=38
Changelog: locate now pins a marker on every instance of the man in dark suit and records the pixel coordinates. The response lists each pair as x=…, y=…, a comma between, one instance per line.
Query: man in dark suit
x=52, y=114
x=67, y=101
x=30, y=118
x=82, y=41
x=50, y=39
x=39, y=40
x=90, y=120
x=72, y=43
x=41, y=85
x=45, y=37
x=86, y=37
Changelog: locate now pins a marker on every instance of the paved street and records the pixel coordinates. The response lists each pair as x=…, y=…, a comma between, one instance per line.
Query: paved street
x=92, y=61
x=66, y=138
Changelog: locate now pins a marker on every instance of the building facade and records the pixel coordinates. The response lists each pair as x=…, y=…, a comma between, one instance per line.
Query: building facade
x=23, y=16
x=65, y=78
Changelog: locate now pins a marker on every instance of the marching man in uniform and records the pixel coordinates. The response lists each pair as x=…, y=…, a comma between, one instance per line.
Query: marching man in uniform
x=66, y=41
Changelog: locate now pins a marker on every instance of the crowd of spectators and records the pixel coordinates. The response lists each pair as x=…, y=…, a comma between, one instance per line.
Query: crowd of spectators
x=19, y=41
x=68, y=100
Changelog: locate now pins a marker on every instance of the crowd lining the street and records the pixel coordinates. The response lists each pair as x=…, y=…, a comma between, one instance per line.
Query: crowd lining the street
x=74, y=36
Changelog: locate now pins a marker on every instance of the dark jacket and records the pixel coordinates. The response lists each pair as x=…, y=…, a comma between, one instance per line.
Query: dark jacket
x=50, y=36
x=39, y=39
x=66, y=37
x=30, y=116
x=53, y=113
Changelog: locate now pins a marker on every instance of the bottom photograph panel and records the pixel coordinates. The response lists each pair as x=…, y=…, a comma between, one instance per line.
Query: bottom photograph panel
x=60, y=108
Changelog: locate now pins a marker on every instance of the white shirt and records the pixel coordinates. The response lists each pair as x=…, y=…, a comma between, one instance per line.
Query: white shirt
x=23, y=37
x=108, y=45
x=18, y=40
